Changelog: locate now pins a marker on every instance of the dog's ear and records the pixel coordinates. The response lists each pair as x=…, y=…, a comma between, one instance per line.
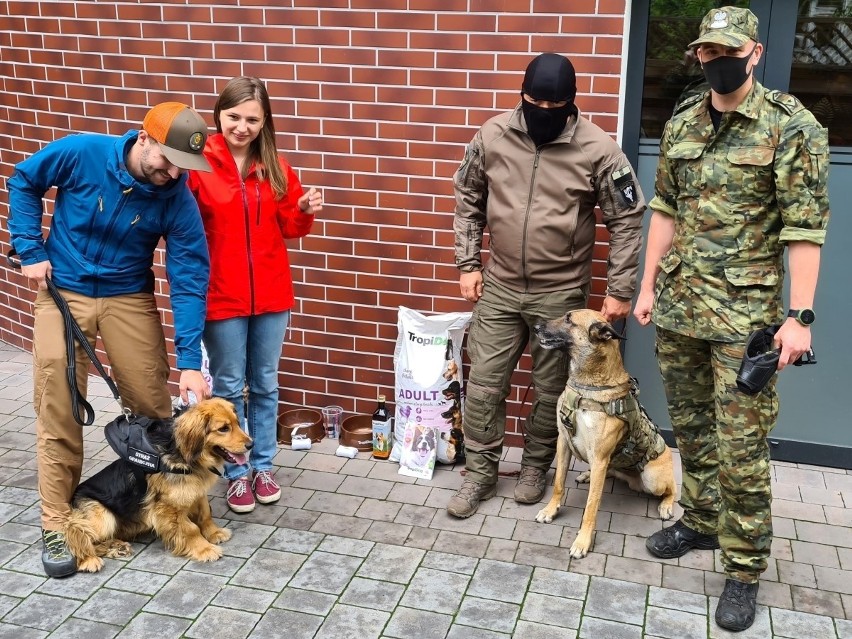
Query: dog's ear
x=191, y=432
x=602, y=332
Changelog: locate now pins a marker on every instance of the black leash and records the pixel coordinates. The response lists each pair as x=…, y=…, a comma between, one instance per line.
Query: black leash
x=83, y=412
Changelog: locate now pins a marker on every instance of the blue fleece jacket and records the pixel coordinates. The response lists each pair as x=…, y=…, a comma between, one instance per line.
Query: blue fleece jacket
x=106, y=227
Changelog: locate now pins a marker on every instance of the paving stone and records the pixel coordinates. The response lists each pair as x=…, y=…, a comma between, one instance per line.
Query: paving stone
x=800, y=625
x=8, y=512
x=294, y=541
x=83, y=585
x=365, y=487
x=450, y=563
x=155, y=558
x=675, y=624
x=499, y=580
x=534, y=532
x=435, y=590
x=461, y=543
x=112, y=606
x=592, y=564
x=248, y=599
x=225, y=567
x=7, y=603
x=17, y=584
x=818, y=533
x=409, y=495
x=295, y=497
x=616, y=600
x=486, y=614
x=84, y=629
x=19, y=533
x=501, y=550
x=42, y=611
x=424, y=538
x=466, y=632
x=268, y=570
x=527, y=630
x=798, y=510
x=774, y=594
x=677, y=600
x=368, y=593
x=796, y=574
x=186, y=595
x=556, y=611
x=9, y=550
x=815, y=554
x=222, y=623
x=844, y=629
x=342, y=619
x=384, y=532
x=326, y=572
x=298, y=625
x=544, y=556
x=818, y=602
x=378, y=510
x=321, y=464
x=152, y=626
x=307, y=601
x=246, y=538
x=410, y=623
x=683, y=579
x=641, y=572
x=339, y=525
x=593, y=628
x=333, y=503
x=320, y=481
x=470, y=525
x=346, y=546
x=558, y=583
x=19, y=632
x=415, y=515
x=498, y=527
x=391, y=563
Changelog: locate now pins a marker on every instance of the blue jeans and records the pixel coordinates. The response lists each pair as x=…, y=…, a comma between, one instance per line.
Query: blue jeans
x=245, y=351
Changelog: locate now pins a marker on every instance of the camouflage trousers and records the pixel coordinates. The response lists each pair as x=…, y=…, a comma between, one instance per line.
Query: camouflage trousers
x=722, y=437
x=500, y=330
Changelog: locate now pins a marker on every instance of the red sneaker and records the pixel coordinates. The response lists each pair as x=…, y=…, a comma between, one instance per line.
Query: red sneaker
x=266, y=490
x=239, y=496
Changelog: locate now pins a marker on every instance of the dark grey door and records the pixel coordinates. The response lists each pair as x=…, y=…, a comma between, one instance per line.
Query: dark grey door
x=809, y=54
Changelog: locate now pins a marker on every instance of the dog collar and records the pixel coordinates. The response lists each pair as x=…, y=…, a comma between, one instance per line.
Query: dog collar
x=127, y=435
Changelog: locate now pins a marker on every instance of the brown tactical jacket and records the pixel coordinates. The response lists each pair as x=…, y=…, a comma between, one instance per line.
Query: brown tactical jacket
x=539, y=207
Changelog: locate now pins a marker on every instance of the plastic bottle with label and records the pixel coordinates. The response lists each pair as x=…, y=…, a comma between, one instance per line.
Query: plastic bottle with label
x=381, y=431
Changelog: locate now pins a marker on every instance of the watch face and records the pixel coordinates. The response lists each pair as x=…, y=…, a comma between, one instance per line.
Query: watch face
x=807, y=316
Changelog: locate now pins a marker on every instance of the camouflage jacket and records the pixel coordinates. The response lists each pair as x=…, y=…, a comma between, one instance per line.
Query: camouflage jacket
x=539, y=207
x=737, y=195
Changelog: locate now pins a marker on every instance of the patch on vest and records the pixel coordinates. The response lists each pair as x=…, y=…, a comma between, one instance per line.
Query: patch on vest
x=624, y=184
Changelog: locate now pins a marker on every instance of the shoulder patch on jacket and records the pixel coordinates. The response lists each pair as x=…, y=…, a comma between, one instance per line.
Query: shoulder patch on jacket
x=622, y=179
x=788, y=102
x=689, y=102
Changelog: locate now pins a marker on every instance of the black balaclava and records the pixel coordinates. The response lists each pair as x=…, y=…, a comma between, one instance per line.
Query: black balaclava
x=726, y=74
x=550, y=77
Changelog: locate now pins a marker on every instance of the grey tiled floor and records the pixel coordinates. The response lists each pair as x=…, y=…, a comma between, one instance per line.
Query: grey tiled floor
x=354, y=550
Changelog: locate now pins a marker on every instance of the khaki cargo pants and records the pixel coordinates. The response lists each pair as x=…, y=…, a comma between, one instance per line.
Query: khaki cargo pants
x=500, y=330
x=131, y=330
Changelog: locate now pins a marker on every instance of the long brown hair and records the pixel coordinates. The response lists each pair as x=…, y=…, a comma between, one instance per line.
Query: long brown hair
x=262, y=150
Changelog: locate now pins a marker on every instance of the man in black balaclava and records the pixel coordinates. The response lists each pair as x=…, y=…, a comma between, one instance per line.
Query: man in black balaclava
x=548, y=92
x=533, y=177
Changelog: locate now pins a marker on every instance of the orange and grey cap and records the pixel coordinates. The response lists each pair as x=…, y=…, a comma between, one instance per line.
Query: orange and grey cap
x=181, y=134
x=727, y=26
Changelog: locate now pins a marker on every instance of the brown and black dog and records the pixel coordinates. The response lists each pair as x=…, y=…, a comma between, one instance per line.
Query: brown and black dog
x=595, y=397
x=120, y=503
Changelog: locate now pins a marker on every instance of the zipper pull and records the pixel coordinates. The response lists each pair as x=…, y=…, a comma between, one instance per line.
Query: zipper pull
x=127, y=191
x=101, y=203
x=135, y=219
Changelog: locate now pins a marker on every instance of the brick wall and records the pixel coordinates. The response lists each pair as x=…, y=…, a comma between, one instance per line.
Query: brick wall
x=374, y=101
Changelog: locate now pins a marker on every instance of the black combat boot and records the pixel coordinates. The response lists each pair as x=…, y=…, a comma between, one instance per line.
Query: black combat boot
x=737, y=604
x=677, y=540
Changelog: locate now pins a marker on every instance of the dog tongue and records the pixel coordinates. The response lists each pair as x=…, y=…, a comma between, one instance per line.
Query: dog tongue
x=240, y=459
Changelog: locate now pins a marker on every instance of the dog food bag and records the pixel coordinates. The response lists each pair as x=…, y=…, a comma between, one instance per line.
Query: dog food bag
x=428, y=367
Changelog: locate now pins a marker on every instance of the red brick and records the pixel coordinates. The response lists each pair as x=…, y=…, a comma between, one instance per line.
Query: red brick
x=348, y=93
x=143, y=13
x=379, y=76
x=609, y=46
x=350, y=56
x=439, y=78
x=363, y=19
x=466, y=61
x=407, y=131
x=527, y=24
x=467, y=22
x=591, y=24
x=577, y=7
x=323, y=37
x=350, y=128
x=392, y=112
x=407, y=21
x=408, y=59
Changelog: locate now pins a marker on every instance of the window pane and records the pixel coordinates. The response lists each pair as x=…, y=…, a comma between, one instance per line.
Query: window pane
x=821, y=76
x=671, y=71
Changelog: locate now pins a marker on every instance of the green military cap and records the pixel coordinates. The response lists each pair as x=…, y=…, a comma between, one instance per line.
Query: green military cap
x=727, y=26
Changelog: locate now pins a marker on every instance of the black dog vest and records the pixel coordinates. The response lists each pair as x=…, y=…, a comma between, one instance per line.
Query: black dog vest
x=128, y=437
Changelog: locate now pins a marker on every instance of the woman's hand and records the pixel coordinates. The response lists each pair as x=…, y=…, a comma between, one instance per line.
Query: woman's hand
x=311, y=202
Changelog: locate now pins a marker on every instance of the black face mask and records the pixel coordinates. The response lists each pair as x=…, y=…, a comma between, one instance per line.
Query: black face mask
x=545, y=125
x=726, y=74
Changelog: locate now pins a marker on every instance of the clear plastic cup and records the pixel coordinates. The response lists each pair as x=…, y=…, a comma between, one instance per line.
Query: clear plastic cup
x=331, y=418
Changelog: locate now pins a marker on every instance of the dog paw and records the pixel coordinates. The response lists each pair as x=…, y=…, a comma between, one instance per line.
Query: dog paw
x=218, y=535
x=119, y=549
x=583, y=478
x=90, y=564
x=666, y=510
x=545, y=516
x=210, y=553
x=580, y=547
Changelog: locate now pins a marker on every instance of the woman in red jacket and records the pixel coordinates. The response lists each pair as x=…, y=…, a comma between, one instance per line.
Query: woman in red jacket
x=251, y=202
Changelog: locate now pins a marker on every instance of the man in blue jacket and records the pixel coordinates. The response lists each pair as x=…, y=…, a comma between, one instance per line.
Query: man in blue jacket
x=116, y=198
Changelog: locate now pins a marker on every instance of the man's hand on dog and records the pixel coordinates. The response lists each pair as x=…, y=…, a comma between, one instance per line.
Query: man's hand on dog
x=614, y=309
x=194, y=381
x=471, y=285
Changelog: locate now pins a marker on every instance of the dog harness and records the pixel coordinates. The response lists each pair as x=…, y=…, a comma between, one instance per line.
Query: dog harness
x=641, y=442
x=128, y=437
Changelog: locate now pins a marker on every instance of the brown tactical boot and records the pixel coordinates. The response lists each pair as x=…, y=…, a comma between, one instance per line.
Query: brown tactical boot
x=465, y=502
x=530, y=488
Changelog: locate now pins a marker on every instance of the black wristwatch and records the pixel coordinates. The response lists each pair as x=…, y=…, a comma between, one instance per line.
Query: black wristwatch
x=804, y=316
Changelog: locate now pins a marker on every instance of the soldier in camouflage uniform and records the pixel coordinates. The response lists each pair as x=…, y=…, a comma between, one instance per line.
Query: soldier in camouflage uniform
x=742, y=174
x=533, y=177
